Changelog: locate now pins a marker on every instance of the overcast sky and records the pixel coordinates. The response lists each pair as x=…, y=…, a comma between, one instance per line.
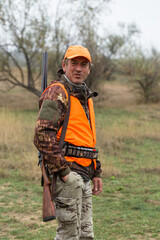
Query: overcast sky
x=144, y=13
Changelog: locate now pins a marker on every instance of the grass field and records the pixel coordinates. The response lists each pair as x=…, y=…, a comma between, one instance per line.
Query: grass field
x=129, y=206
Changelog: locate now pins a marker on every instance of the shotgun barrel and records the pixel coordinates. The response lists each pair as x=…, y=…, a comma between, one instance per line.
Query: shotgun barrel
x=48, y=209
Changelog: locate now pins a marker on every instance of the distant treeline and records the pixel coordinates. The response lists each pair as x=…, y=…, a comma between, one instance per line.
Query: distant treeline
x=27, y=35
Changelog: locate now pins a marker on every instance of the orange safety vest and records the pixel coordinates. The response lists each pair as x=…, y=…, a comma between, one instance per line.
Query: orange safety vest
x=79, y=131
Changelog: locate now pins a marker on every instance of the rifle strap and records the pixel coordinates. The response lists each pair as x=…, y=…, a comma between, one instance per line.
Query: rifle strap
x=65, y=124
x=61, y=143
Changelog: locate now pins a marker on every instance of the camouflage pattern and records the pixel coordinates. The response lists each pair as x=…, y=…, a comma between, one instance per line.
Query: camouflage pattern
x=53, y=106
x=73, y=198
x=74, y=208
x=46, y=130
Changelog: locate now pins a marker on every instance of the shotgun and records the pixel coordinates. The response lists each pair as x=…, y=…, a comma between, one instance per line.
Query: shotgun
x=48, y=210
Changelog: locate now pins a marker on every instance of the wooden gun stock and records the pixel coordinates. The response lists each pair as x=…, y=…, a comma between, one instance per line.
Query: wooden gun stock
x=48, y=211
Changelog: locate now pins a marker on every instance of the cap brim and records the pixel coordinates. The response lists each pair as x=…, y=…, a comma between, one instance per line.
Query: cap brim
x=79, y=55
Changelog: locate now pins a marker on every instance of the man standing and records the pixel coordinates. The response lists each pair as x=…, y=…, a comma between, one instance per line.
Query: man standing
x=75, y=162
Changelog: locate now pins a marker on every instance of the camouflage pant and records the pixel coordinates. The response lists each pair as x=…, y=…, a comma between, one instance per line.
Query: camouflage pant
x=74, y=209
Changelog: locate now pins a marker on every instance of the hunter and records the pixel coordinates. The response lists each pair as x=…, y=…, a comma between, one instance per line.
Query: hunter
x=75, y=164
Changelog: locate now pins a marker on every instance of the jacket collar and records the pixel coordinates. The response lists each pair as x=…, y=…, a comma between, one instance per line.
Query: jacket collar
x=82, y=92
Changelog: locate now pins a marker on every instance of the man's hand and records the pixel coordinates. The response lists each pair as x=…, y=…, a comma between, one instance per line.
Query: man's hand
x=97, y=185
x=65, y=178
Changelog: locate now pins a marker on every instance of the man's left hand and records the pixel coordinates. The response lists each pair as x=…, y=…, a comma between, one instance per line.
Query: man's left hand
x=97, y=185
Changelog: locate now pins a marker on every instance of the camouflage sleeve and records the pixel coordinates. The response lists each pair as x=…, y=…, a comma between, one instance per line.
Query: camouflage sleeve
x=98, y=171
x=53, y=106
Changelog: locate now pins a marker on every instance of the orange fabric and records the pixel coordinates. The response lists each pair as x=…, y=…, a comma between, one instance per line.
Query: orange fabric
x=59, y=84
x=77, y=51
x=79, y=132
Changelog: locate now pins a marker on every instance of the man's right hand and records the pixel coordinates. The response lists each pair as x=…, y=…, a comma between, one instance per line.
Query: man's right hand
x=97, y=185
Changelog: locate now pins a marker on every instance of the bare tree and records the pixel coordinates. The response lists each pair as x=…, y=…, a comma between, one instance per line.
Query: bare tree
x=76, y=22
x=109, y=48
x=144, y=72
x=60, y=37
x=104, y=46
x=26, y=29
x=28, y=32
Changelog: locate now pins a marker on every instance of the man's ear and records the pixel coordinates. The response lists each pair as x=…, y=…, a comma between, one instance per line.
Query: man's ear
x=64, y=65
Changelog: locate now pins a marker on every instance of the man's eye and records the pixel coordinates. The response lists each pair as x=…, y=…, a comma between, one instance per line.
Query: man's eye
x=84, y=64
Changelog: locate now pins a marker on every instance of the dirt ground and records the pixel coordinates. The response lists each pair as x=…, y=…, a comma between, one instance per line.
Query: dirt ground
x=113, y=94
x=17, y=98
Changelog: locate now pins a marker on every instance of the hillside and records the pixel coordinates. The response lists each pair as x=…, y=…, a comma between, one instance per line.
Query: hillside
x=114, y=94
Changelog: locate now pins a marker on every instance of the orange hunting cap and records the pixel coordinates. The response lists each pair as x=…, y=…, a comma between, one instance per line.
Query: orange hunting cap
x=77, y=51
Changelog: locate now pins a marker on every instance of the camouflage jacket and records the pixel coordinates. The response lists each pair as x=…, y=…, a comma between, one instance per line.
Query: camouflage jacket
x=53, y=106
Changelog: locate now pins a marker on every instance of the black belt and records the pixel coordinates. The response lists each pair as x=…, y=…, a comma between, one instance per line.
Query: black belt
x=80, y=152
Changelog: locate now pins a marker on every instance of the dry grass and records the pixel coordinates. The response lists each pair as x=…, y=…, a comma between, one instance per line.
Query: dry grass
x=17, y=98
x=119, y=132
x=113, y=94
x=131, y=194
x=116, y=94
x=18, y=152
x=130, y=129
x=16, y=134
x=16, y=145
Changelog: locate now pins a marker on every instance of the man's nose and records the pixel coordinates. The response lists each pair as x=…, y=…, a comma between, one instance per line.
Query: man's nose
x=78, y=68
